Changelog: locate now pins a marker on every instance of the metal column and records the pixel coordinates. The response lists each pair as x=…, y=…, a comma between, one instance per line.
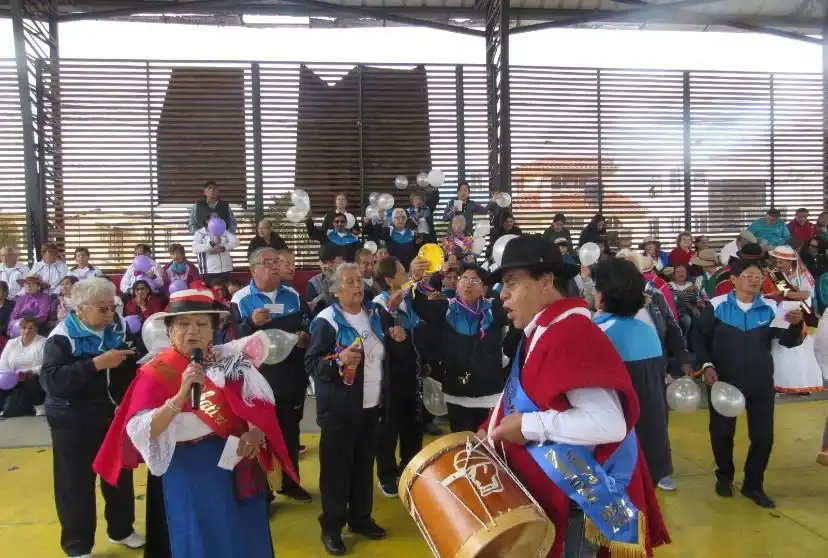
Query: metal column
x=825, y=107
x=34, y=24
x=497, y=93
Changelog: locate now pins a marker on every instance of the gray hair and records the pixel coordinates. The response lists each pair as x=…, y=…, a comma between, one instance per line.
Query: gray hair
x=256, y=256
x=399, y=210
x=459, y=219
x=340, y=271
x=89, y=289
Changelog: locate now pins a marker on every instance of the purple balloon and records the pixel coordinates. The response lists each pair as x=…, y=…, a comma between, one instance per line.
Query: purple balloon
x=8, y=380
x=142, y=264
x=134, y=323
x=178, y=285
x=216, y=226
x=14, y=330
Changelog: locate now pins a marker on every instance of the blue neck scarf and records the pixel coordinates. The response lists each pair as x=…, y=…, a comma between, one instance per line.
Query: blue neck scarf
x=88, y=342
x=178, y=267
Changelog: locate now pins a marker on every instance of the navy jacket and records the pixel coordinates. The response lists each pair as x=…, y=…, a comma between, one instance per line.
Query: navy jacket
x=738, y=343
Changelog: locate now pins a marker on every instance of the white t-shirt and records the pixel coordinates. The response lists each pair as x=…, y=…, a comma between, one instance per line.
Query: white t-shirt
x=373, y=353
x=17, y=358
x=729, y=251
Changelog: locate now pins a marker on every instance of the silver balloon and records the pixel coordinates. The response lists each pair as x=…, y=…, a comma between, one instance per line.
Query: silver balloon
x=371, y=246
x=727, y=399
x=281, y=344
x=385, y=201
x=436, y=177
x=371, y=212
x=296, y=214
x=500, y=246
x=300, y=199
x=401, y=182
x=422, y=179
x=684, y=395
x=503, y=199
x=373, y=197
x=154, y=334
x=433, y=399
x=589, y=253
x=350, y=220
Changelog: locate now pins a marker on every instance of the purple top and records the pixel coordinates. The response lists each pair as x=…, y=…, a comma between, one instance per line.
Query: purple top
x=37, y=305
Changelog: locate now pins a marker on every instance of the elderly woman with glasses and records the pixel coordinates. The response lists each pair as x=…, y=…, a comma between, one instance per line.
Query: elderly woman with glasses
x=87, y=366
x=209, y=447
x=348, y=360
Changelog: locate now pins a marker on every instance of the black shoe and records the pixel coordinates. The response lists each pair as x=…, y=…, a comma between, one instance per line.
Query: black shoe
x=333, y=543
x=724, y=488
x=759, y=497
x=369, y=530
x=432, y=429
x=302, y=449
x=388, y=489
x=296, y=493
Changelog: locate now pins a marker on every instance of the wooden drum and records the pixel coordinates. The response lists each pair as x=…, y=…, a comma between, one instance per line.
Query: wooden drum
x=468, y=504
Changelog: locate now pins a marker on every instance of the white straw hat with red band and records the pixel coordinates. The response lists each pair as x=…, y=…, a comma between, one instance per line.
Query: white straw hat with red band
x=191, y=301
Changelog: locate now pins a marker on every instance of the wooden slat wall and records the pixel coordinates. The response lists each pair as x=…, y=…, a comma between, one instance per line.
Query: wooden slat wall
x=584, y=140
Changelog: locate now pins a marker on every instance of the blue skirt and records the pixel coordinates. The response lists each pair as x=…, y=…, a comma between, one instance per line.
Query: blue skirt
x=204, y=516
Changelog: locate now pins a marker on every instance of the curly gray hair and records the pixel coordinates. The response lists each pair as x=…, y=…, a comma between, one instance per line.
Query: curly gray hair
x=340, y=271
x=84, y=292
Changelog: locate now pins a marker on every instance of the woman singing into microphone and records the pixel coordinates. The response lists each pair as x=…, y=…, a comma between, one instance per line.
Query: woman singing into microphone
x=214, y=506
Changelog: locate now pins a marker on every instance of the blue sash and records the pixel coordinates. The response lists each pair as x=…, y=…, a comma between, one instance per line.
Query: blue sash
x=600, y=490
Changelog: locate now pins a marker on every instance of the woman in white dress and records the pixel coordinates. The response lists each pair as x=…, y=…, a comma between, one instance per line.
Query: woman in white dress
x=796, y=370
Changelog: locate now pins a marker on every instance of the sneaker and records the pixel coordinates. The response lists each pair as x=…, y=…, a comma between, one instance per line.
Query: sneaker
x=82, y=556
x=40, y=410
x=724, y=488
x=432, y=429
x=302, y=449
x=822, y=458
x=388, y=489
x=759, y=497
x=667, y=483
x=296, y=493
x=133, y=541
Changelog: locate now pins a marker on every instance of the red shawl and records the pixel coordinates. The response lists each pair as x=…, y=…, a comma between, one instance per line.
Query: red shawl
x=147, y=392
x=574, y=353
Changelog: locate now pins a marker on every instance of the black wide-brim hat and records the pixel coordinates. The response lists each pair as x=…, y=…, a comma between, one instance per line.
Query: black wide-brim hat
x=532, y=252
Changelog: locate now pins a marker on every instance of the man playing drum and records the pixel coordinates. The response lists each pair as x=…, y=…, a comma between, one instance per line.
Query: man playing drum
x=565, y=420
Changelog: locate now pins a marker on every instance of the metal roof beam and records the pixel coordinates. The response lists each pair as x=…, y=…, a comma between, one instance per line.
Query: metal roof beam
x=156, y=8
x=717, y=20
x=388, y=15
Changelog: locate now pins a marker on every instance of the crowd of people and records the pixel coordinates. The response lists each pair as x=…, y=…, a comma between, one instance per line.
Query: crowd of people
x=502, y=338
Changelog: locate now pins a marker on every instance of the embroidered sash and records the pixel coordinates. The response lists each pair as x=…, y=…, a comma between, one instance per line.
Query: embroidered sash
x=599, y=489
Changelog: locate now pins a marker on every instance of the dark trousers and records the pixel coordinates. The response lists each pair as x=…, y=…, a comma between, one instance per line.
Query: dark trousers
x=289, y=413
x=400, y=422
x=21, y=400
x=158, y=537
x=575, y=543
x=759, y=409
x=346, y=472
x=74, y=452
x=466, y=419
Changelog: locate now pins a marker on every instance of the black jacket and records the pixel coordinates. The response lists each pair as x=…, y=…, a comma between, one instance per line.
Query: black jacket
x=473, y=363
x=76, y=393
x=203, y=211
x=337, y=404
x=738, y=343
x=257, y=242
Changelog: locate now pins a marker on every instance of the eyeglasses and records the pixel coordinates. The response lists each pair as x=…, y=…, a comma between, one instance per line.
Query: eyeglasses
x=269, y=263
x=104, y=309
x=751, y=276
x=471, y=280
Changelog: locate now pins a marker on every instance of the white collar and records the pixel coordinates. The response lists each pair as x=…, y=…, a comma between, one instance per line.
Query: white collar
x=530, y=327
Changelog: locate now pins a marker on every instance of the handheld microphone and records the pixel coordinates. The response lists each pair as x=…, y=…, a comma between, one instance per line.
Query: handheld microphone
x=197, y=356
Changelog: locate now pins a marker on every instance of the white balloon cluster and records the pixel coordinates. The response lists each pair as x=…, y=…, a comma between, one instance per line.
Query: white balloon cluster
x=298, y=212
x=379, y=204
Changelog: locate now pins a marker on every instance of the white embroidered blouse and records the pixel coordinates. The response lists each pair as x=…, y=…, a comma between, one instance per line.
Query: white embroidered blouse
x=158, y=452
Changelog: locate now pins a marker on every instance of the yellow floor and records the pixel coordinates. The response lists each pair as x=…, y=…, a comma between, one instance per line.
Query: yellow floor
x=702, y=524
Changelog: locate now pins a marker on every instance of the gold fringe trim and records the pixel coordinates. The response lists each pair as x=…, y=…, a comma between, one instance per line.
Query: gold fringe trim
x=619, y=549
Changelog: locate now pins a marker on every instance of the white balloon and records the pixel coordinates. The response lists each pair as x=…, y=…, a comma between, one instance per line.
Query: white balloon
x=373, y=197
x=478, y=245
x=500, y=246
x=371, y=246
x=422, y=179
x=503, y=199
x=350, y=220
x=154, y=334
x=433, y=399
x=296, y=214
x=300, y=199
x=281, y=344
x=589, y=253
x=371, y=212
x=385, y=201
x=683, y=395
x=727, y=399
x=482, y=229
x=401, y=182
x=436, y=177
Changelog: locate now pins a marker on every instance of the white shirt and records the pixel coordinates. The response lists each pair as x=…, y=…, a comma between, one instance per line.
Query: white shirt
x=596, y=416
x=52, y=273
x=210, y=260
x=11, y=275
x=18, y=358
x=86, y=273
x=729, y=251
x=128, y=278
x=373, y=353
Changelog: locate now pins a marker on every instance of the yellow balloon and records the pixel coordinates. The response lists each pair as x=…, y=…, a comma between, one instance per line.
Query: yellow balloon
x=434, y=254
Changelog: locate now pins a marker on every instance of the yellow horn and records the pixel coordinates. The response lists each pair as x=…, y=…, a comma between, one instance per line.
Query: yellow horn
x=434, y=254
